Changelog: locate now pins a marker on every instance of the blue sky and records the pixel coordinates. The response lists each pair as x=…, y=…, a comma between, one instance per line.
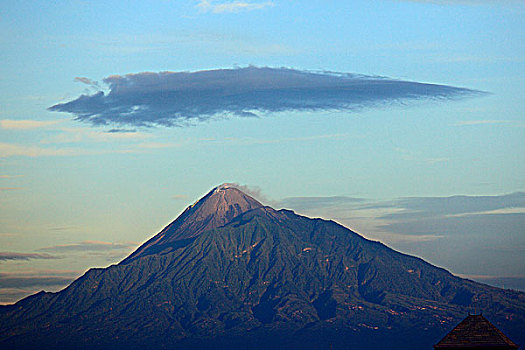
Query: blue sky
x=76, y=194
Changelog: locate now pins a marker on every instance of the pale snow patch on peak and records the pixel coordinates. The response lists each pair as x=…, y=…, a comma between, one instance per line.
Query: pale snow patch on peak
x=225, y=186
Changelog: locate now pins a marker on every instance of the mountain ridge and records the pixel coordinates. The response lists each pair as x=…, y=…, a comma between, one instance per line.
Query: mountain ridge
x=268, y=278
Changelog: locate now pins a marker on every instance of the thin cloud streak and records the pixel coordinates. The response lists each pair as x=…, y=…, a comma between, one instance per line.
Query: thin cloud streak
x=13, y=281
x=17, y=285
x=10, y=176
x=262, y=141
x=185, y=98
x=87, y=81
x=418, y=157
x=179, y=197
x=10, y=124
x=13, y=150
x=467, y=2
x=76, y=135
x=16, y=150
x=311, y=203
x=89, y=246
x=25, y=256
x=481, y=122
x=230, y=7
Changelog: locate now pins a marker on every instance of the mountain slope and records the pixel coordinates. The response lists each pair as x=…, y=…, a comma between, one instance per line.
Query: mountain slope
x=264, y=279
x=217, y=208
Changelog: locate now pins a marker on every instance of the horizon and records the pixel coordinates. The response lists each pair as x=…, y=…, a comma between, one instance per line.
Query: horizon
x=401, y=120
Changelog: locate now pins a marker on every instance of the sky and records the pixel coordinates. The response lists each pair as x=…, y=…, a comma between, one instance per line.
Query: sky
x=402, y=120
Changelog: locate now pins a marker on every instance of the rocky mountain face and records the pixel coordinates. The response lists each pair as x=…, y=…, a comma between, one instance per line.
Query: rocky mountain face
x=231, y=273
x=216, y=209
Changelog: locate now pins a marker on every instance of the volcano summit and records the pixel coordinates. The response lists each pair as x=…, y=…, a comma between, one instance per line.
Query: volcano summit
x=230, y=272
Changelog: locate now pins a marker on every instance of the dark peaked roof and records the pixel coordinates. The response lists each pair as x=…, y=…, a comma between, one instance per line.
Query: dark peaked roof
x=475, y=332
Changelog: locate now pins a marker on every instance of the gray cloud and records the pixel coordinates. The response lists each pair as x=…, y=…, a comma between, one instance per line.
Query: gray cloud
x=88, y=246
x=419, y=214
x=184, y=98
x=311, y=203
x=25, y=256
x=477, y=244
x=13, y=281
x=494, y=225
x=115, y=131
x=436, y=207
x=478, y=234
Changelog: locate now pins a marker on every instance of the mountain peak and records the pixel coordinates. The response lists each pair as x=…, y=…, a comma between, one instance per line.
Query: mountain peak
x=225, y=186
x=217, y=208
x=224, y=202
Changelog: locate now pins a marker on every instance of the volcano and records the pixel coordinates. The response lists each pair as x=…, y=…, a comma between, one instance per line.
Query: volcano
x=231, y=273
x=216, y=209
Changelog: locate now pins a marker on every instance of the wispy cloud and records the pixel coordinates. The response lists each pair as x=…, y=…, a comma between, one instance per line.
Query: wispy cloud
x=8, y=280
x=489, y=122
x=75, y=135
x=10, y=176
x=480, y=122
x=11, y=150
x=415, y=156
x=254, y=191
x=470, y=224
x=232, y=6
x=14, y=150
x=259, y=141
x=439, y=207
x=420, y=216
x=26, y=124
x=310, y=203
x=156, y=145
x=473, y=225
x=12, y=295
x=18, y=284
x=87, y=81
x=24, y=256
x=89, y=246
x=184, y=98
x=467, y=2
x=179, y=197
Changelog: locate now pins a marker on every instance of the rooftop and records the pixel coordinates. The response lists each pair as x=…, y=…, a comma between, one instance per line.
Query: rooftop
x=474, y=332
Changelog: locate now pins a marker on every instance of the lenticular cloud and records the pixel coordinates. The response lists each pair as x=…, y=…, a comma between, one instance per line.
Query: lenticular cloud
x=183, y=98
